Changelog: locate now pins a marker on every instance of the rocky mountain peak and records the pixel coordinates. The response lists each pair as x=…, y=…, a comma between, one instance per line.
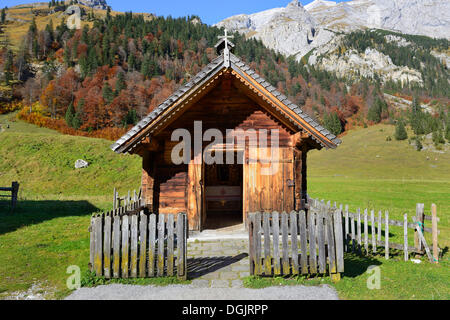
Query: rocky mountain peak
x=295, y=4
x=95, y=4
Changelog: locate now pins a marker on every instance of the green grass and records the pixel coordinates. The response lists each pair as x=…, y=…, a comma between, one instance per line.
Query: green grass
x=49, y=230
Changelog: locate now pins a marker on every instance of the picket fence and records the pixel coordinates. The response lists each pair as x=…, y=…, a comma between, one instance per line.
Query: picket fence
x=128, y=242
x=310, y=243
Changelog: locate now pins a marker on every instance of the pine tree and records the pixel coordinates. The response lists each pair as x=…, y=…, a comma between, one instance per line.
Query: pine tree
x=3, y=16
x=400, y=131
x=332, y=123
x=108, y=94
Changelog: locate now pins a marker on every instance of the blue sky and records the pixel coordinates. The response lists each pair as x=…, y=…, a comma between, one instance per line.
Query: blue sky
x=211, y=11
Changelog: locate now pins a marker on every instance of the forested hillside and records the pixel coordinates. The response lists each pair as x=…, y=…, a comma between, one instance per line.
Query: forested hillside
x=101, y=79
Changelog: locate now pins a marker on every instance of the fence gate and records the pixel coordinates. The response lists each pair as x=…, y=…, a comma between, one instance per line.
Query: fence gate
x=297, y=243
x=136, y=244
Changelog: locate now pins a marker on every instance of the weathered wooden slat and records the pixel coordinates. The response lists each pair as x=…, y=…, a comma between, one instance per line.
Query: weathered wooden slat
x=321, y=241
x=435, y=232
x=151, y=245
x=98, y=256
x=134, y=245
x=331, y=243
x=251, y=242
x=143, y=227
x=161, y=244
x=420, y=208
x=352, y=222
x=276, y=243
x=405, y=237
x=284, y=243
x=267, y=256
x=337, y=217
x=430, y=218
x=374, y=240
x=117, y=235
x=257, y=239
x=358, y=228
x=347, y=231
x=107, y=246
x=312, y=241
x=91, y=245
x=303, y=242
x=170, y=245
x=294, y=242
x=366, y=232
x=181, y=245
x=379, y=226
x=386, y=236
x=125, y=246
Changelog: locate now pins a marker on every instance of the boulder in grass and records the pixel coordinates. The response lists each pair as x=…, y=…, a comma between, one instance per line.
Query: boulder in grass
x=81, y=164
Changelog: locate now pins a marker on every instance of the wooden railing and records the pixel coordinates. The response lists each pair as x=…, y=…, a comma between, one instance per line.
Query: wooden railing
x=126, y=200
x=310, y=243
x=12, y=192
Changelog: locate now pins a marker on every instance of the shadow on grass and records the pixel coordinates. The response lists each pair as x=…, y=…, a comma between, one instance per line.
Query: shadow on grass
x=356, y=265
x=34, y=212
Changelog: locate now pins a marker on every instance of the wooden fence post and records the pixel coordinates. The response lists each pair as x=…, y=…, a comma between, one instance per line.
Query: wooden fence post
x=420, y=218
x=386, y=237
x=276, y=243
x=434, y=227
x=405, y=234
x=251, y=230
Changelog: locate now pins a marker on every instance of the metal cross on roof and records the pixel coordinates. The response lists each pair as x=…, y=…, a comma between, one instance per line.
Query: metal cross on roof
x=226, y=52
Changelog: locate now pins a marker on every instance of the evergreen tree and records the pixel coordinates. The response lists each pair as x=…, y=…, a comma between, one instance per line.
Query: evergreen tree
x=400, y=131
x=332, y=123
x=108, y=94
x=3, y=16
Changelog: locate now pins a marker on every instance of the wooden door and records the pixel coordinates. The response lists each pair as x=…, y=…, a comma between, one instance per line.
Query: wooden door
x=195, y=195
x=274, y=192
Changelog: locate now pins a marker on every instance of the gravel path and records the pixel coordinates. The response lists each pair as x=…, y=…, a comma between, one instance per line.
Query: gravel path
x=190, y=292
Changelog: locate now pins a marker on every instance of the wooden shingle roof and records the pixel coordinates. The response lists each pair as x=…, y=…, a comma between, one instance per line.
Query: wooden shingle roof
x=255, y=82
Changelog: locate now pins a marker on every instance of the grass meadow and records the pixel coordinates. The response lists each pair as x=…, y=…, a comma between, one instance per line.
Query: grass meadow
x=49, y=230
